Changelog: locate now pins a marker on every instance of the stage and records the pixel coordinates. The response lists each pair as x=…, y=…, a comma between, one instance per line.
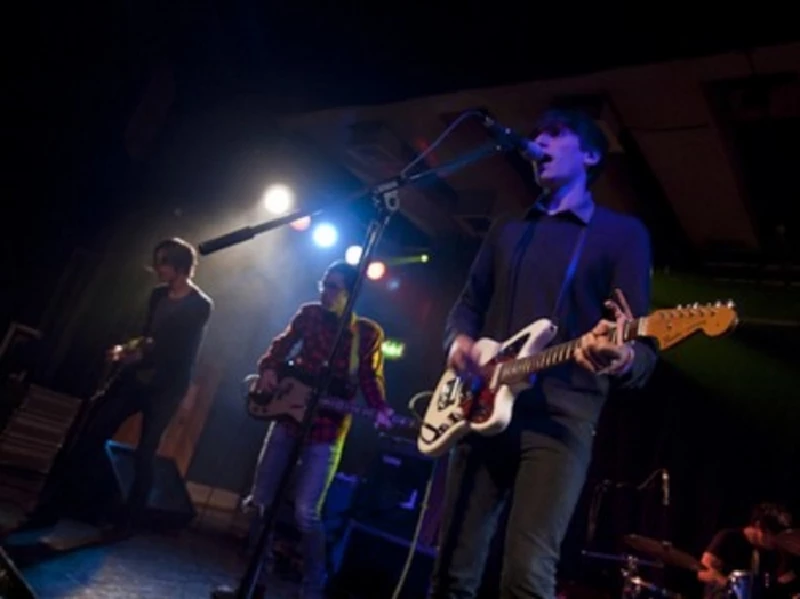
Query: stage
x=186, y=565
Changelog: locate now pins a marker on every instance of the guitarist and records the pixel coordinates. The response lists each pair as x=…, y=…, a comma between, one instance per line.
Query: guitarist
x=560, y=260
x=314, y=328
x=154, y=376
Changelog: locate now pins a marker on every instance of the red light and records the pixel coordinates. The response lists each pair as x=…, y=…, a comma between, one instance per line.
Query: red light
x=301, y=224
x=376, y=270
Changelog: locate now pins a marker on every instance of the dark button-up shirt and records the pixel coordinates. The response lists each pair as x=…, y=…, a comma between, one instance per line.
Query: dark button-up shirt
x=516, y=278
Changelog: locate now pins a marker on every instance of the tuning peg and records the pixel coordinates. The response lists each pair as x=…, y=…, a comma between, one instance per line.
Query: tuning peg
x=695, y=306
x=718, y=304
x=680, y=307
x=731, y=304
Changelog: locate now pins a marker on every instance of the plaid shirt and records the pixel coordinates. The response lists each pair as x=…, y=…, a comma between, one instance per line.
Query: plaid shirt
x=317, y=327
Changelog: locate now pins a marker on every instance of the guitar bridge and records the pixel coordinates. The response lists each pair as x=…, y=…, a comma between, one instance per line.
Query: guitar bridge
x=452, y=394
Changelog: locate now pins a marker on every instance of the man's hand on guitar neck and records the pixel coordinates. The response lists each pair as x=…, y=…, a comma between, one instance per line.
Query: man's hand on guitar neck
x=600, y=350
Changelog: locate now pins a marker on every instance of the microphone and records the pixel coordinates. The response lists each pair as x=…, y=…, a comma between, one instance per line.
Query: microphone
x=665, y=487
x=513, y=140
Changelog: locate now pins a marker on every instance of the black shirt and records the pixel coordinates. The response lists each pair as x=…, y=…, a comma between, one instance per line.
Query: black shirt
x=516, y=279
x=177, y=327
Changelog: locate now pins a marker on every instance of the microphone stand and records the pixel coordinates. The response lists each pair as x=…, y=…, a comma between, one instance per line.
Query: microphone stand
x=386, y=201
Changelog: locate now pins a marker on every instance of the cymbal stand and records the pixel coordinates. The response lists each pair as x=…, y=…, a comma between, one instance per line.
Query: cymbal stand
x=630, y=579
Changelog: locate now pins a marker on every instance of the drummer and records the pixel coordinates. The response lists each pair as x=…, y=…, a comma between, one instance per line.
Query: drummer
x=752, y=549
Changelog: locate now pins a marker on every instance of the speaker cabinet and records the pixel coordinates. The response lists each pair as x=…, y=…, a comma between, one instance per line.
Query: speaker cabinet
x=390, y=496
x=106, y=487
x=372, y=561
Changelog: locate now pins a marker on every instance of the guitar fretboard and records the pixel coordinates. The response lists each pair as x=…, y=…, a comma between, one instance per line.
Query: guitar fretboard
x=517, y=371
x=350, y=407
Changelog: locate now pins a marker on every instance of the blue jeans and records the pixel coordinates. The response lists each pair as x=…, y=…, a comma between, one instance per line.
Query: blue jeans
x=315, y=471
x=541, y=468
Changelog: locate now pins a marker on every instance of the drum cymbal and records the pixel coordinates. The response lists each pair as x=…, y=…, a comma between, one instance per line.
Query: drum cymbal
x=621, y=558
x=788, y=541
x=663, y=551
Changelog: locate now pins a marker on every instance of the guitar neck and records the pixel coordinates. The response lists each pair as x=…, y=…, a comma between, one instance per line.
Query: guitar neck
x=351, y=407
x=517, y=371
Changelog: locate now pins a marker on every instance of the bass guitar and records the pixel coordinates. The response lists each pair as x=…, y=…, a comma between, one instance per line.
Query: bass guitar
x=289, y=400
x=483, y=403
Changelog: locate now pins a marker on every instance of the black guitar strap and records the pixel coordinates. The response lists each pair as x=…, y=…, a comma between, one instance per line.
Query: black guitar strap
x=519, y=252
x=570, y=274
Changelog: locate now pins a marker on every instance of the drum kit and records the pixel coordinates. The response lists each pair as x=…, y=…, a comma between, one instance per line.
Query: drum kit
x=741, y=584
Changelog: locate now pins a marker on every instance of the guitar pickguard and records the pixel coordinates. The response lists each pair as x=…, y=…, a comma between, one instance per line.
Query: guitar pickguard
x=471, y=403
x=288, y=401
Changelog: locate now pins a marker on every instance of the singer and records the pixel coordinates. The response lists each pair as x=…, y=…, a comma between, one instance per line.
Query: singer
x=562, y=259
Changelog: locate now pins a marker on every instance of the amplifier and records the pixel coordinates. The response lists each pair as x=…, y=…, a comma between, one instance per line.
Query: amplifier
x=389, y=497
x=369, y=563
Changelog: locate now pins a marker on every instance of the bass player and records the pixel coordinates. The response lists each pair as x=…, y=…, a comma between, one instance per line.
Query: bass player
x=359, y=363
x=561, y=260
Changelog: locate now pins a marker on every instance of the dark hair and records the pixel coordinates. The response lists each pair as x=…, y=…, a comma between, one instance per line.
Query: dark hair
x=178, y=253
x=581, y=124
x=771, y=517
x=348, y=271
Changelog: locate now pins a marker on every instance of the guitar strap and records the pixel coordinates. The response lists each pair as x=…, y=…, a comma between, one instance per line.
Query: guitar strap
x=570, y=274
x=354, y=349
x=519, y=252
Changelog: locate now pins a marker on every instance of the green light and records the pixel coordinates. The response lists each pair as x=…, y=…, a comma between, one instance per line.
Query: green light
x=393, y=349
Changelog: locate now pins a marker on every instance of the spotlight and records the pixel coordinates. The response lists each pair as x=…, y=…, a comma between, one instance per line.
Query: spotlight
x=353, y=254
x=376, y=270
x=278, y=199
x=325, y=235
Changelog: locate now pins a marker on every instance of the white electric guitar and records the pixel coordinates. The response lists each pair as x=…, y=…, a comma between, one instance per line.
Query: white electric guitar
x=483, y=403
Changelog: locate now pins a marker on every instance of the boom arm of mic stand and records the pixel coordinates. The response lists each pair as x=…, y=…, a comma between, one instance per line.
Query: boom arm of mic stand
x=386, y=187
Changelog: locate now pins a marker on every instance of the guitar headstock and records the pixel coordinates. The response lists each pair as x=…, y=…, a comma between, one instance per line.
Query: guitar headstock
x=672, y=326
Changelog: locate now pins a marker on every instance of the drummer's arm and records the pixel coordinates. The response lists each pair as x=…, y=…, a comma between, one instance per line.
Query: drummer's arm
x=711, y=573
x=787, y=577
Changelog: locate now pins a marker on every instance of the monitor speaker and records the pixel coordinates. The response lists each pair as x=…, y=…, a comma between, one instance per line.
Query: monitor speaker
x=107, y=486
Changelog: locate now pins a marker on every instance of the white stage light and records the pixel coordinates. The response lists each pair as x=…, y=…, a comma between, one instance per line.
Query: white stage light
x=278, y=199
x=325, y=235
x=353, y=255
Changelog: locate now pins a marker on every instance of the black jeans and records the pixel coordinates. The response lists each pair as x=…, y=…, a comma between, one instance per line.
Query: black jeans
x=112, y=407
x=541, y=467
